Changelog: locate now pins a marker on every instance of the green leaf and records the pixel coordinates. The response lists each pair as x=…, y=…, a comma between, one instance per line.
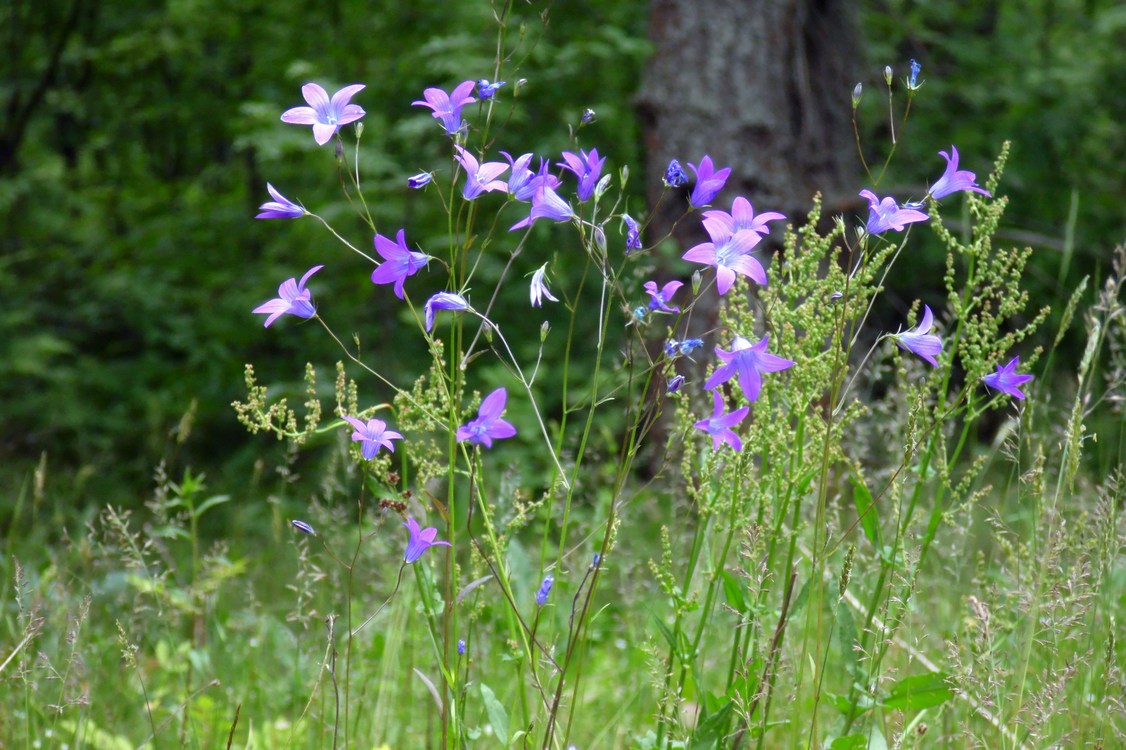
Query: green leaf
x=866, y=511
x=733, y=592
x=849, y=742
x=210, y=503
x=919, y=691
x=709, y=731
x=498, y=717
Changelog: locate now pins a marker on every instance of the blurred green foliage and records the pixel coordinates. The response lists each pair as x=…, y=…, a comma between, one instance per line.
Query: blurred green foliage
x=130, y=256
x=138, y=139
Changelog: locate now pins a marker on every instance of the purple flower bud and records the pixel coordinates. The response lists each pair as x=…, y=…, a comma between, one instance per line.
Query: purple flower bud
x=304, y=528
x=420, y=180
x=857, y=92
x=461, y=646
x=673, y=386
x=597, y=559
x=545, y=589
x=588, y=116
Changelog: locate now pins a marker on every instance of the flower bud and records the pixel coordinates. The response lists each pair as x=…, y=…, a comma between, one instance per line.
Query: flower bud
x=588, y=116
x=887, y=74
x=602, y=186
x=304, y=528
x=857, y=92
x=545, y=327
x=600, y=239
x=697, y=278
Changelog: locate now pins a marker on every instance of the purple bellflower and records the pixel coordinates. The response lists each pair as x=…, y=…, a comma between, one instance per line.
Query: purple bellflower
x=420, y=180
x=743, y=216
x=1007, y=380
x=398, y=262
x=633, y=233
x=747, y=361
x=955, y=180
x=546, y=203
x=443, y=301
x=447, y=107
x=324, y=114
x=488, y=90
x=522, y=181
x=719, y=424
x=674, y=175
x=420, y=540
x=545, y=590
x=709, y=182
x=373, y=435
x=728, y=252
x=886, y=214
x=539, y=288
x=480, y=178
x=661, y=297
x=919, y=340
x=293, y=299
x=488, y=426
x=587, y=167
x=280, y=207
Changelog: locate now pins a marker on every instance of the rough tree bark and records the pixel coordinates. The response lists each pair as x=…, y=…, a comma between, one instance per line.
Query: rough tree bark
x=763, y=86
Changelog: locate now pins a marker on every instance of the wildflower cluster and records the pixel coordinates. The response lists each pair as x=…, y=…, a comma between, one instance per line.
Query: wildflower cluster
x=571, y=189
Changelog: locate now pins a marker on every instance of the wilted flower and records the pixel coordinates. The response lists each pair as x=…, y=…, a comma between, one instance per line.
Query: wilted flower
x=913, y=82
x=955, y=180
x=325, y=115
x=372, y=436
x=539, y=288
x=447, y=107
x=919, y=341
x=1007, y=380
x=293, y=299
x=479, y=178
x=747, y=362
x=545, y=590
x=588, y=116
x=660, y=297
x=633, y=233
x=719, y=424
x=488, y=426
x=709, y=181
x=675, y=175
x=420, y=540
x=399, y=262
x=488, y=90
x=674, y=348
x=443, y=301
x=886, y=214
x=420, y=180
x=280, y=207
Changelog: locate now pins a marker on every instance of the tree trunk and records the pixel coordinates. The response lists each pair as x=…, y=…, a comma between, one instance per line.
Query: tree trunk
x=763, y=86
